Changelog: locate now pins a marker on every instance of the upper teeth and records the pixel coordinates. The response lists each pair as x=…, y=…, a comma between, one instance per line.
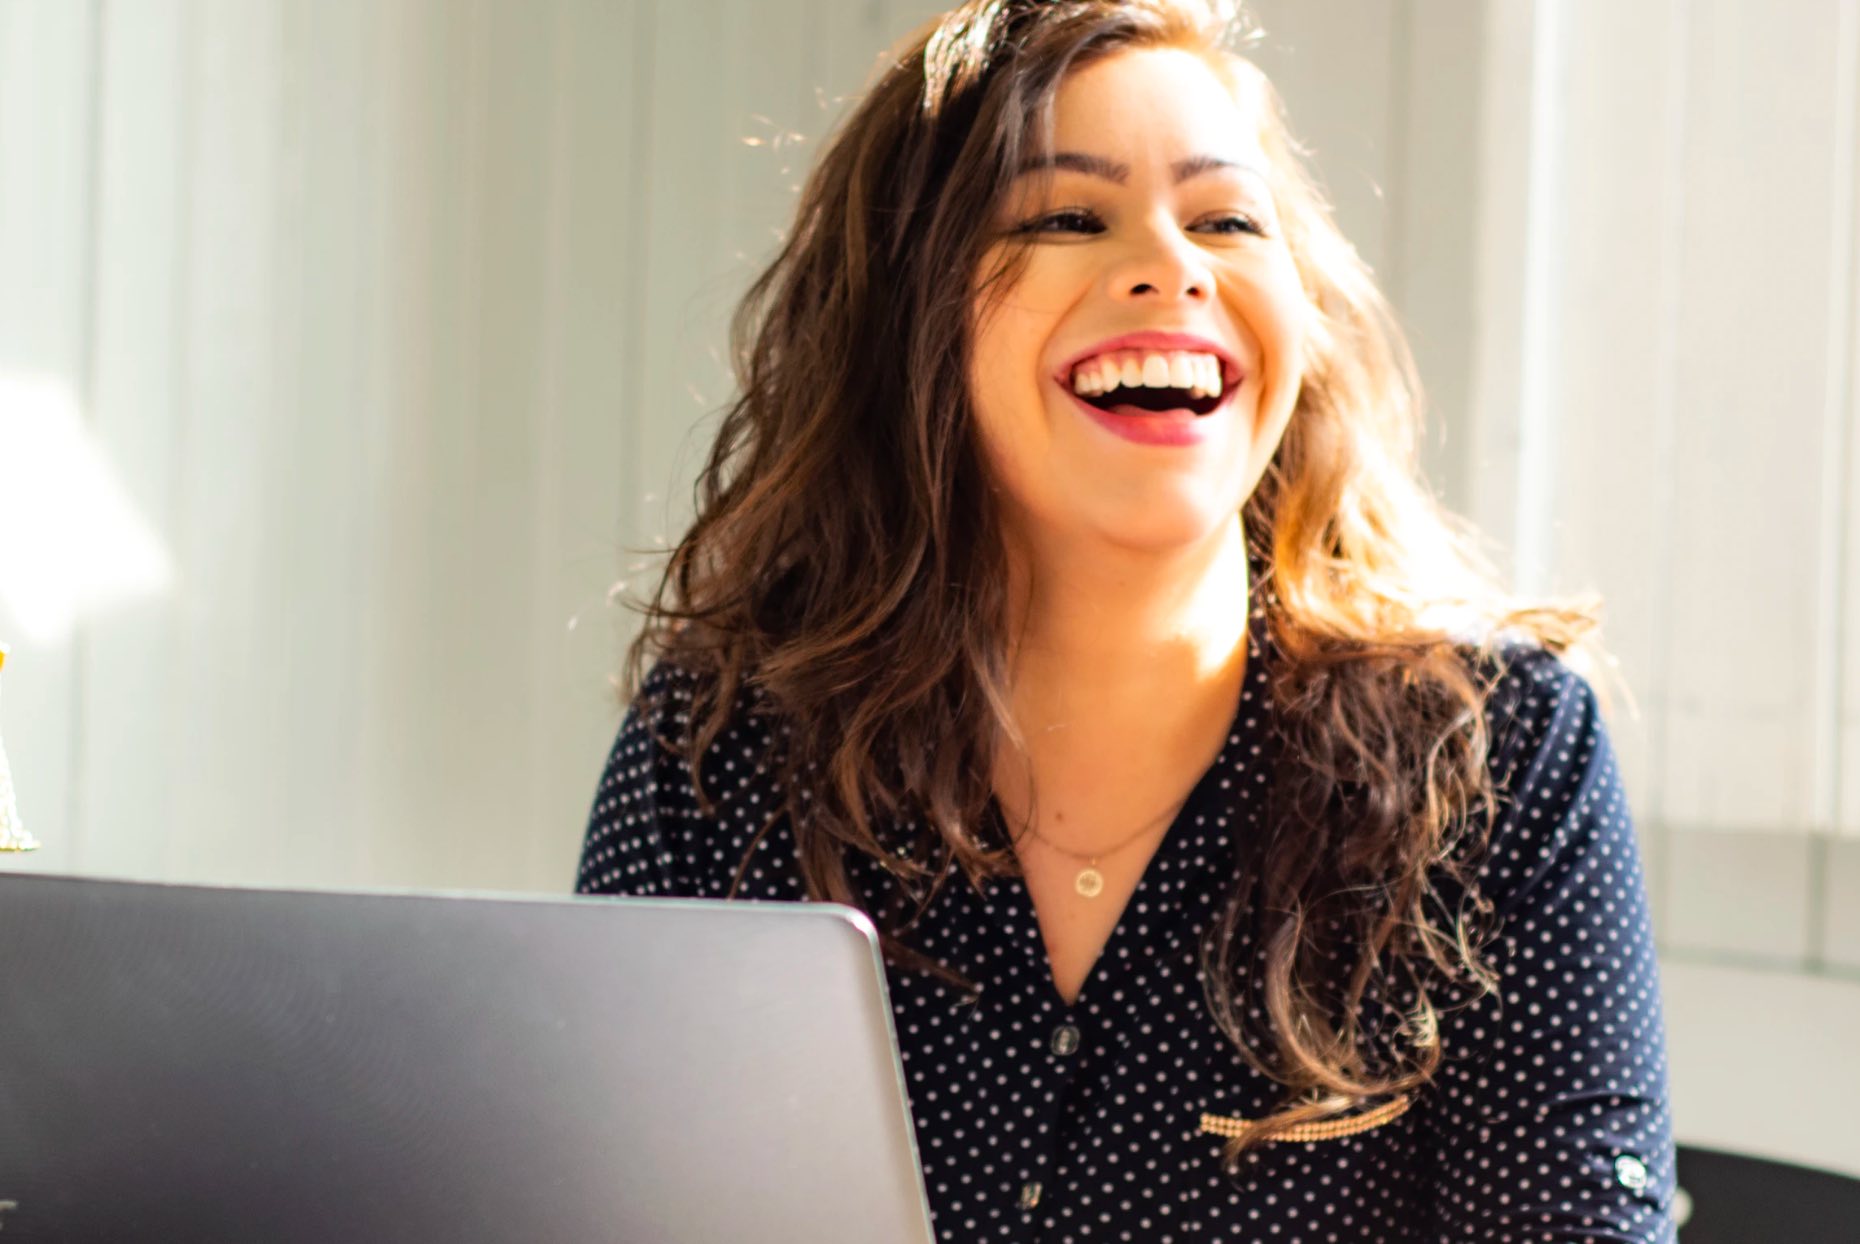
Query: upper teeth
x=1198, y=373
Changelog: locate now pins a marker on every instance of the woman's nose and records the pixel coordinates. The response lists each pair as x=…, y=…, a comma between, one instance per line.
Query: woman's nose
x=1159, y=266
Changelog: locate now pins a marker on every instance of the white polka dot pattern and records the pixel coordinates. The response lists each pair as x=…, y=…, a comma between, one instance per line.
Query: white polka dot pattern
x=1038, y=1120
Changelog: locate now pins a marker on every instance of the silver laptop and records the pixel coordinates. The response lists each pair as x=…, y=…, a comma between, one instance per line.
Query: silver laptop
x=211, y=1064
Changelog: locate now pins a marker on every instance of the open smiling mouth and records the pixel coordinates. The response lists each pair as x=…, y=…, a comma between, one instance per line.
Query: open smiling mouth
x=1152, y=401
x=1150, y=382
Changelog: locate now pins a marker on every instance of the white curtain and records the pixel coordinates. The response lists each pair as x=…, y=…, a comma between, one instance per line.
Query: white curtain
x=389, y=324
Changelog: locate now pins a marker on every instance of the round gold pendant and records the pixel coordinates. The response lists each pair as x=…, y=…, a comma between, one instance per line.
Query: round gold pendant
x=1090, y=883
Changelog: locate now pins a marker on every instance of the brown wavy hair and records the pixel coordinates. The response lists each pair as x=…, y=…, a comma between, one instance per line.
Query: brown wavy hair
x=846, y=570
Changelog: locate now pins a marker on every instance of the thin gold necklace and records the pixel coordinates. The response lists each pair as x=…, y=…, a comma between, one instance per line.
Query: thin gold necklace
x=1090, y=882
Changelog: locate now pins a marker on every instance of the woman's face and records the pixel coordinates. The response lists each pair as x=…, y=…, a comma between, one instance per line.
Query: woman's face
x=1134, y=381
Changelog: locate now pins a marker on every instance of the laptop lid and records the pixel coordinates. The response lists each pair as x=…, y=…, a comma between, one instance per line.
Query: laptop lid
x=216, y=1064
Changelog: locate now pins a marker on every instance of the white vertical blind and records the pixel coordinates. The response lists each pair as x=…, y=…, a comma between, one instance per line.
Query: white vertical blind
x=1844, y=424
x=46, y=116
x=1700, y=236
x=394, y=323
x=1758, y=287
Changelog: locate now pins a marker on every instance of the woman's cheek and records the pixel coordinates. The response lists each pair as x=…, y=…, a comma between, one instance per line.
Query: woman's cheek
x=1004, y=404
x=1287, y=318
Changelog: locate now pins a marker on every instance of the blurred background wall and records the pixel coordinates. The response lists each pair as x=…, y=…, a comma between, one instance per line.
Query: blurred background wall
x=352, y=350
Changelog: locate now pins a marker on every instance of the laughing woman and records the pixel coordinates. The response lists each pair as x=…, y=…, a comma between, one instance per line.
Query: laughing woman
x=1064, y=594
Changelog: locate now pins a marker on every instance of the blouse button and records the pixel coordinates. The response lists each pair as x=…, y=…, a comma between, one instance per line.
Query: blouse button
x=1065, y=1040
x=1630, y=1172
x=1030, y=1194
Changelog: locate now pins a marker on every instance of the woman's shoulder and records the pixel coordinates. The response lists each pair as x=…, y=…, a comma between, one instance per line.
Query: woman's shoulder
x=1538, y=697
x=672, y=826
x=1530, y=685
x=1560, y=807
x=675, y=701
x=678, y=710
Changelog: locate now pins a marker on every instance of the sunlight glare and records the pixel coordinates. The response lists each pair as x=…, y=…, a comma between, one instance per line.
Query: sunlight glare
x=71, y=541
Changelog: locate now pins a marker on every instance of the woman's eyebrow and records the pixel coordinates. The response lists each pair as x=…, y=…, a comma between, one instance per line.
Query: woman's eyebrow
x=1111, y=170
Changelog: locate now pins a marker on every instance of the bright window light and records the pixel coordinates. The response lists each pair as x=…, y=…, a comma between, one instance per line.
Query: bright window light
x=71, y=542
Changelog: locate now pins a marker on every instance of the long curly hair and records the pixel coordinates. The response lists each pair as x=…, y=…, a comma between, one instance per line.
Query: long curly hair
x=846, y=570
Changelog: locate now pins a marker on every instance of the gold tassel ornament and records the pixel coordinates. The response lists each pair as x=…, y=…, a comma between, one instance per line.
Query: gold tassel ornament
x=13, y=835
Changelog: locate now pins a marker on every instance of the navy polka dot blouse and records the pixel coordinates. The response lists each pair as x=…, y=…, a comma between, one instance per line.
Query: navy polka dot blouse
x=1103, y=1120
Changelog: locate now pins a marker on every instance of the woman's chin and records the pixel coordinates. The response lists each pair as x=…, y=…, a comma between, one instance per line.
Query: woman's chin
x=1163, y=528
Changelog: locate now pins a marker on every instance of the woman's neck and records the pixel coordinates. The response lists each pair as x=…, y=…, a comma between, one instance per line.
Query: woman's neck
x=1113, y=635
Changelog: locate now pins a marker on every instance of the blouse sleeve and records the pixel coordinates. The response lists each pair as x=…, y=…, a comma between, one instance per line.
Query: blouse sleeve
x=1553, y=1116
x=628, y=849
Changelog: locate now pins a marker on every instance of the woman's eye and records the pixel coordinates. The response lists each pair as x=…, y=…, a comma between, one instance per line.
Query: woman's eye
x=1235, y=224
x=1072, y=220
x=1083, y=220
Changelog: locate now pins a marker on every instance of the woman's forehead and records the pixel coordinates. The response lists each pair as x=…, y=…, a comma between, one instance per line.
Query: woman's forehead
x=1152, y=106
x=1246, y=168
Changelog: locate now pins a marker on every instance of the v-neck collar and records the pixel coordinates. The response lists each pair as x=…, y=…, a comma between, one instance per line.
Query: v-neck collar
x=1189, y=866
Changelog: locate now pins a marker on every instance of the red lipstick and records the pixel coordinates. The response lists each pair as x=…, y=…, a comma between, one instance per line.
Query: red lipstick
x=1167, y=427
